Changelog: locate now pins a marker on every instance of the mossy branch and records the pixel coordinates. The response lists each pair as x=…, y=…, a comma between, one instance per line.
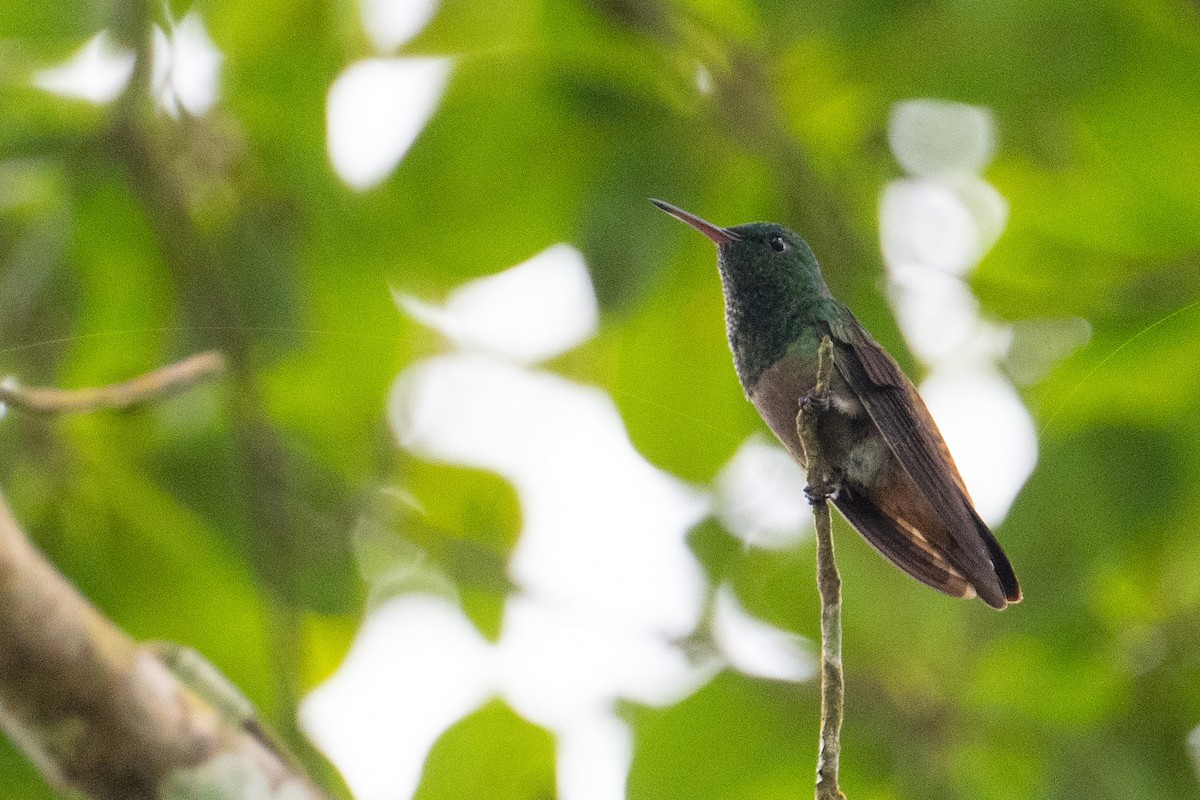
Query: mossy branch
x=829, y=583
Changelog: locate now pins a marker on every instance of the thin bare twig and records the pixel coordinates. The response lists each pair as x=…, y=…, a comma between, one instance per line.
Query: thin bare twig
x=144, y=388
x=829, y=583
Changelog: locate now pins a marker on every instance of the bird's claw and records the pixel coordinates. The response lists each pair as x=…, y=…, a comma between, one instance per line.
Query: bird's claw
x=814, y=402
x=820, y=492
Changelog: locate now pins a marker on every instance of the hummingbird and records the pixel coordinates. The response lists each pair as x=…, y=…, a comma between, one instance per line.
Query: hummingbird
x=893, y=477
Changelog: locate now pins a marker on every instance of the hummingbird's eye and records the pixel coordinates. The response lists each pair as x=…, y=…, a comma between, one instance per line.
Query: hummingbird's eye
x=777, y=244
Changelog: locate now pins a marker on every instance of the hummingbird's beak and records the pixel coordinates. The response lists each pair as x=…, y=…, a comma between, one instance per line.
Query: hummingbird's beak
x=719, y=235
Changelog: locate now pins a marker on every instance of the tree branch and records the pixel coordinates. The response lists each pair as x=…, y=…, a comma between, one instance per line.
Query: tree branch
x=101, y=714
x=144, y=388
x=829, y=583
x=97, y=712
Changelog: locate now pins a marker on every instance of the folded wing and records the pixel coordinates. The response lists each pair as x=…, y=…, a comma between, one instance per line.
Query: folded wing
x=954, y=552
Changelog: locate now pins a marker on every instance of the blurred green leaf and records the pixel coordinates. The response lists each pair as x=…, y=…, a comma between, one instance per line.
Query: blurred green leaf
x=492, y=753
x=405, y=545
x=1078, y=693
x=735, y=738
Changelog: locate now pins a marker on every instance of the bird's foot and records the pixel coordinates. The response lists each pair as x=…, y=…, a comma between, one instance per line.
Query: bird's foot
x=817, y=492
x=814, y=402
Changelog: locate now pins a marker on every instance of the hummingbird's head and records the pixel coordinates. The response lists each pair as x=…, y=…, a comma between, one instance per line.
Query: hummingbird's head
x=772, y=285
x=757, y=252
x=765, y=246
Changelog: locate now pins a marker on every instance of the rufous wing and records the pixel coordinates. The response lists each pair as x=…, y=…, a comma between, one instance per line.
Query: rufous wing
x=961, y=546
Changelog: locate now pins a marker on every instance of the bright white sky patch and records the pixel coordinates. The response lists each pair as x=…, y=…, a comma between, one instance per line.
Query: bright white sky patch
x=936, y=137
x=988, y=431
x=376, y=109
x=187, y=67
x=756, y=648
x=558, y=666
x=594, y=756
x=184, y=73
x=934, y=228
x=760, y=496
x=607, y=579
x=391, y=23
x=528, y=313
x=416, y=667
x=937, y=312
x=604, y=530
x=96, y=73
x=925, y=222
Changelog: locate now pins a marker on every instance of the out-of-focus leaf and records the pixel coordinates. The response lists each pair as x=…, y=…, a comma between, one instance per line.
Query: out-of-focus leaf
x=995, y=773
x=51, y=23
x=305, y=551
x=1068, y=692
x=716, y=548
x=312, y=517
x=668, y=361
x=406, y=545
x=124, y=293
x=492, y=753
x=463, y=26
x=467, y=504
x=327, y=640
x=735, y=738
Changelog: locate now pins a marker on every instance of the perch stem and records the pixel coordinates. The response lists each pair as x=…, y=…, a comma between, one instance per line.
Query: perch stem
x=829, y=583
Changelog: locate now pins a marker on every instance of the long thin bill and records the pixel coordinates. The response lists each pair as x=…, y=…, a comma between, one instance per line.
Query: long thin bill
x=718, y=235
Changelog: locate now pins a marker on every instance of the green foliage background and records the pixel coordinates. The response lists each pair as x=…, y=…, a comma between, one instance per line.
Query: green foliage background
x=221, y=518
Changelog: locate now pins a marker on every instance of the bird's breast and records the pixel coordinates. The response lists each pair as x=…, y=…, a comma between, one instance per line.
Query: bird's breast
x=777, y=396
